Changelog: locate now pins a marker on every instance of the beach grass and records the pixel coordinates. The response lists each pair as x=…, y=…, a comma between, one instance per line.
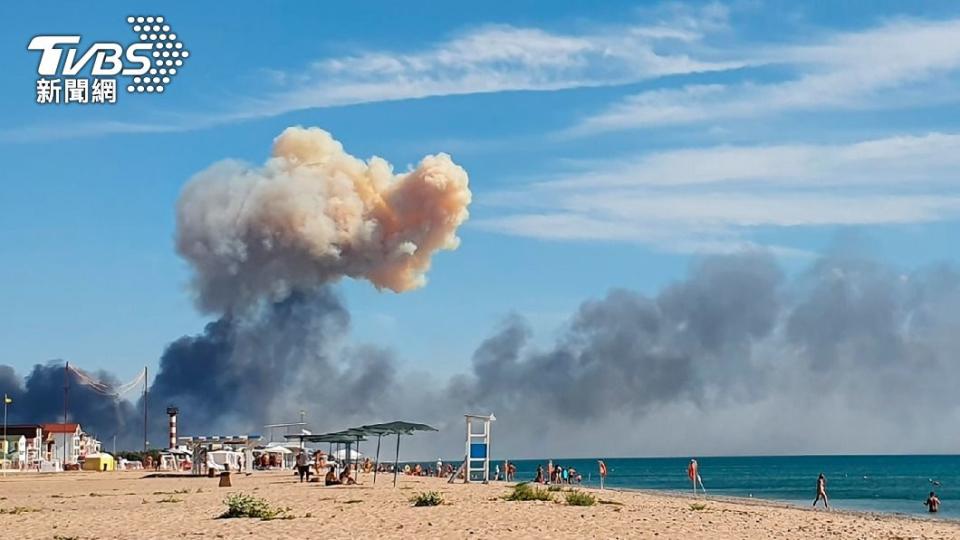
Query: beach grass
x=579, y=498
x=526, y=492
x=427, y=498
x=696, y=507
x=240, y=505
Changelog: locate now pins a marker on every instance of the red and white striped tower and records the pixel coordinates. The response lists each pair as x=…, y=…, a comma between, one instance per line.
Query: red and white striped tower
x=172, y=412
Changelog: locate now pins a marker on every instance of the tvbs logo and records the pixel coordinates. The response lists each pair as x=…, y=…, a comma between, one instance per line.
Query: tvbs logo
x=150, y=63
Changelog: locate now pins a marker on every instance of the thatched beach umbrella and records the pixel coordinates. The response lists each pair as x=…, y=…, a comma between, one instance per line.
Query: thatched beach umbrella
x=393, y=428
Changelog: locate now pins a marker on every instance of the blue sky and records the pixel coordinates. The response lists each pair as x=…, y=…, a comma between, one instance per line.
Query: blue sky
x=606, y=146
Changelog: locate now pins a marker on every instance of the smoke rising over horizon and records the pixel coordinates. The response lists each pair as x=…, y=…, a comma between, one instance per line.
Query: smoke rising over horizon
x=264, y=244
x=849, y=356
x=312, y=215
x=736, y=357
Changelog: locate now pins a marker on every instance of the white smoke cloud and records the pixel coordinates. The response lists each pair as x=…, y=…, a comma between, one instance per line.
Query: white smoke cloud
x=311, y=215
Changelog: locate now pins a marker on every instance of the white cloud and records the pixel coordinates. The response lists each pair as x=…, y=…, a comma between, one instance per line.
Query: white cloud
x=873, y=68
x=903, y=160
x=484, y=59
x=505, y=58
x=711, y=199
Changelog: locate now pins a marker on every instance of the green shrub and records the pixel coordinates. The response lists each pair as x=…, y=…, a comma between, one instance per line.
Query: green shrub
x=429, y=498
x=240, y=505
x=555, y=487
x=526, y=492
x=696, y=507
x=579, y=498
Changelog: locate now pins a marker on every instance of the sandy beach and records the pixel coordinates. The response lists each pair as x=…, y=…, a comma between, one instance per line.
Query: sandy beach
x=127, y=505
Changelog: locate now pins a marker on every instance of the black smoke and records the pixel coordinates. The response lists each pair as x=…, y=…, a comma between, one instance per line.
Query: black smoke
x=738, y=357
x=39, y=398
x=245, y=372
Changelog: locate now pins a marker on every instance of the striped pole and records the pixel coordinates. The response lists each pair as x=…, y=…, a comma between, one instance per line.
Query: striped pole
x=172, y=412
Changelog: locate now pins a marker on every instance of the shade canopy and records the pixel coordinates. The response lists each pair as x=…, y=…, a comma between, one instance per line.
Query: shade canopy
x=339, y=437
x=397, y=427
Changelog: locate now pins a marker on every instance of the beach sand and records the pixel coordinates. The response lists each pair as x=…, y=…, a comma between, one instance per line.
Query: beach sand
x=127, y=505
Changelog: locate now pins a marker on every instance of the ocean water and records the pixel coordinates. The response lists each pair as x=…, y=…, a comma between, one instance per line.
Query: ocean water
x=895, y=484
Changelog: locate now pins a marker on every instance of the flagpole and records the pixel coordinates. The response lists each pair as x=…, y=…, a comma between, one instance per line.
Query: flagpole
x=6, y=444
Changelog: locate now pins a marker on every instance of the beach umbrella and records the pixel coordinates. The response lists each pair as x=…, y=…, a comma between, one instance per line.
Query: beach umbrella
x=346, y=437
x=398, y=428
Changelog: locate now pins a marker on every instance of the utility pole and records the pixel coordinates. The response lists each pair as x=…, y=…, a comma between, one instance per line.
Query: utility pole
x=66, y=390
x=144, y=410
x=6, y=444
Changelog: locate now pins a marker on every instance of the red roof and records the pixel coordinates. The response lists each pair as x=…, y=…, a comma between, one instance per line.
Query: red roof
x=60, y=428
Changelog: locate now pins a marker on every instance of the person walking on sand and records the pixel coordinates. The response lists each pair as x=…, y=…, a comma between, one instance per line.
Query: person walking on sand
x=933, y=503
x=303, y=466
x=821, y=492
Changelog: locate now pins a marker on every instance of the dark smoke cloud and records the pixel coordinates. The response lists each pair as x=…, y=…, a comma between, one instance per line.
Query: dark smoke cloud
x=851, y=356
x=629, y=352
x=243, y=373
x=39, y=399
x=848, y=356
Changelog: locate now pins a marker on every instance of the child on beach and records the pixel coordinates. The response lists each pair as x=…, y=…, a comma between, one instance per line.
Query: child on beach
x=821, y=491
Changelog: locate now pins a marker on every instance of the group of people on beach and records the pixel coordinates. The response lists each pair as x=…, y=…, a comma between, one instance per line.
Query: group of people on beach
x=557, y=474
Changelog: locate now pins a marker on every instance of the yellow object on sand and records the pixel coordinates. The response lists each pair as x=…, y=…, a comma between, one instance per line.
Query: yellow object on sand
x=96, y=462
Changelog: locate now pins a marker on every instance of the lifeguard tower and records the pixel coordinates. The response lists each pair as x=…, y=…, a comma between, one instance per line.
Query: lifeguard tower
x=478, y=448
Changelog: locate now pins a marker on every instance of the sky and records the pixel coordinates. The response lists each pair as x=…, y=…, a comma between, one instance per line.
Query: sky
x=607, y=147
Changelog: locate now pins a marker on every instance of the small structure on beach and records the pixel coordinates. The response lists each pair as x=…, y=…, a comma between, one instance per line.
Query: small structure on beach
x=99, y=462
x=477, y=457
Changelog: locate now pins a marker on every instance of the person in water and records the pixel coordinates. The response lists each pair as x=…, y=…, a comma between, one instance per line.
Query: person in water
x=822, y=491
x=933, y=503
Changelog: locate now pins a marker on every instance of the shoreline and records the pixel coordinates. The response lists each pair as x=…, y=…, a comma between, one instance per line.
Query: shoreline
x=779, y=503
x=127, y=505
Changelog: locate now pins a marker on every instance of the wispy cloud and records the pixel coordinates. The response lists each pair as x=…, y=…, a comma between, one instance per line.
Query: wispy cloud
x=874, y=68
x=484, y=59
x=712, y=199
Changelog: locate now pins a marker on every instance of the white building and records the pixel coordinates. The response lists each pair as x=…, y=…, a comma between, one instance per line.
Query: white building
x=58, y=436
x=13, y=449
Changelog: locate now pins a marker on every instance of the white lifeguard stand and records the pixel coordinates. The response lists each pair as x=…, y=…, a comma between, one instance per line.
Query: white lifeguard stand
x=477, y=457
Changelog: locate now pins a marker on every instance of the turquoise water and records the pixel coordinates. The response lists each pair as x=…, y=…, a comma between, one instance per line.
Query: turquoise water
x=898, y=484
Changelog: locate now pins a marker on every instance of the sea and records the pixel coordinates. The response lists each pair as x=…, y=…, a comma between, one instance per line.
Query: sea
x=890, y=484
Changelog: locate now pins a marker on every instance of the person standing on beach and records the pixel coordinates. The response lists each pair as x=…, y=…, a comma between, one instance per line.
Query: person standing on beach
x=821, y=491
x=933, y=503
x=303, y=467
x=539, y=478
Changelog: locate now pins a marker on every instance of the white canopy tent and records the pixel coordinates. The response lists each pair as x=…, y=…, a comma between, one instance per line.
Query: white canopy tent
x=342, y=453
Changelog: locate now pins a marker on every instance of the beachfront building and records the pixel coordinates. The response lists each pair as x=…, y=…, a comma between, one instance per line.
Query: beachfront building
x=89, y=445
x=56, y=437
x=33, y=436
x=13, y=448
